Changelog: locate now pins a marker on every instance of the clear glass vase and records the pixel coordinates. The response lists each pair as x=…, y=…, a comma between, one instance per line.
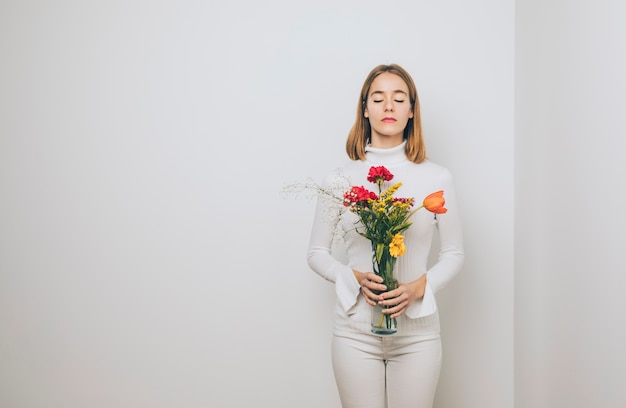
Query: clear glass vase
x=384, y=265
x=384, y=324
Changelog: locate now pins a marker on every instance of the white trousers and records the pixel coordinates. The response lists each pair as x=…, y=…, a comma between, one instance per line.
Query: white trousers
x=386, y=372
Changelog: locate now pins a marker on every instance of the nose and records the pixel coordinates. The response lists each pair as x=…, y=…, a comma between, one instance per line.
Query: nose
x=389, y=106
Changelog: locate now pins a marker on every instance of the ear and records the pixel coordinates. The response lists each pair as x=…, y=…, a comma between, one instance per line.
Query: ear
x=366, y=114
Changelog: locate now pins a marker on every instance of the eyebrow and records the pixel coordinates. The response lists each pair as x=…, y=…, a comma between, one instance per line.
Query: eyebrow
x=396, y=91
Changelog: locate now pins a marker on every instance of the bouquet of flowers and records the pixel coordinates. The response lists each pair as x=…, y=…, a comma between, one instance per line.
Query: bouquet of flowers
x=383, y=218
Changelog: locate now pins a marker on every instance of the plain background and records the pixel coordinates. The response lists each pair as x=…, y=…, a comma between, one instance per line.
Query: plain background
x=148, y=257
x=570, y=190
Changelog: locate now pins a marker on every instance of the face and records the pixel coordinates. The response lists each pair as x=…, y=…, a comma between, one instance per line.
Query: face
x=388, y=109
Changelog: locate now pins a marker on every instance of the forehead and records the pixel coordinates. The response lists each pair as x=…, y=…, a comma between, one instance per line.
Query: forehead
x=388, y=82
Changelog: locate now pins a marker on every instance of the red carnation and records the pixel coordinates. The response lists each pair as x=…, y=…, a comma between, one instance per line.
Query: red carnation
x=358, y=194
x=379, y=174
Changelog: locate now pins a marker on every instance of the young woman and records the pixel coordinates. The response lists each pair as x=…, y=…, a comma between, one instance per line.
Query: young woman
x=400, y=370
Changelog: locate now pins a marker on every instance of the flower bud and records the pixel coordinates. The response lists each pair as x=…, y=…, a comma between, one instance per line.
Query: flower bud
x=434, y=203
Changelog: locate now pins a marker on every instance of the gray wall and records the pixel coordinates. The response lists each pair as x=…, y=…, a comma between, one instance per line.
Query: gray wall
x=570, y=196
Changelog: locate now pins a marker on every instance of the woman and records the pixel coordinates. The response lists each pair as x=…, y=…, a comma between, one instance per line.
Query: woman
x=401, y=370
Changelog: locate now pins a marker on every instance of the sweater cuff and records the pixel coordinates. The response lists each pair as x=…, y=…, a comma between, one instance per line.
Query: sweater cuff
x=424, y=306
x=348, y=290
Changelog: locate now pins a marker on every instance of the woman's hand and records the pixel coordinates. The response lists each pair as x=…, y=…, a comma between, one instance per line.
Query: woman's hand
x=401, y=298
x=369, y=283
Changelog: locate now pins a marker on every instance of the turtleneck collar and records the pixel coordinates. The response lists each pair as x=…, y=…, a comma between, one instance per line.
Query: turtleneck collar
x=391, y=157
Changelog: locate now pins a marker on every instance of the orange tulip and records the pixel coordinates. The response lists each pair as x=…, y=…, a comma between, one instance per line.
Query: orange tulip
x=434, y=203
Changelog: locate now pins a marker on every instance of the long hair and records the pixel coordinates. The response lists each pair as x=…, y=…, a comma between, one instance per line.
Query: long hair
x=361, y=131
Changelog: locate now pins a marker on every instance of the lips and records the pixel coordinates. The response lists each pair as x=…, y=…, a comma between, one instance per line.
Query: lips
x=388, y=120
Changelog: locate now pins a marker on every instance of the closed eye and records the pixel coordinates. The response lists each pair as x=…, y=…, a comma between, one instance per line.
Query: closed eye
x=395, y=100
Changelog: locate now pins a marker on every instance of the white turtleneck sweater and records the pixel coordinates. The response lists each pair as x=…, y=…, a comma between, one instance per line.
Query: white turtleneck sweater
x=333, y=221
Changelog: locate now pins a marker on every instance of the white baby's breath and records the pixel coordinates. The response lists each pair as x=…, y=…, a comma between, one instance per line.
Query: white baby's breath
x=330, y=195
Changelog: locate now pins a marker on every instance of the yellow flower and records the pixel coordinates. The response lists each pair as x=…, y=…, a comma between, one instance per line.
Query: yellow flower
x=391, y=190
x=396, y=247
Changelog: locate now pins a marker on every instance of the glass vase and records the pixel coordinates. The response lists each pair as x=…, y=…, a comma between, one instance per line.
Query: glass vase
x=384, y=324
x=384, y=264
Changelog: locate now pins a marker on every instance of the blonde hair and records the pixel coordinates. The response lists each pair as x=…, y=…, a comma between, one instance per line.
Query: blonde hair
x=361, y=131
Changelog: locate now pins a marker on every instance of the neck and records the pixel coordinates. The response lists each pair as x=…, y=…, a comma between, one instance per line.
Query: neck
x=386, y=142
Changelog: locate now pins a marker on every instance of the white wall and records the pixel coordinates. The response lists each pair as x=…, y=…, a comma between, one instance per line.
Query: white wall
x=570, y=196
x=147, y=256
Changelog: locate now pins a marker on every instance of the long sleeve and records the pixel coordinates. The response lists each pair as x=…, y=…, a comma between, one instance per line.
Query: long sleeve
x=320, y=258
x=451, y=254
